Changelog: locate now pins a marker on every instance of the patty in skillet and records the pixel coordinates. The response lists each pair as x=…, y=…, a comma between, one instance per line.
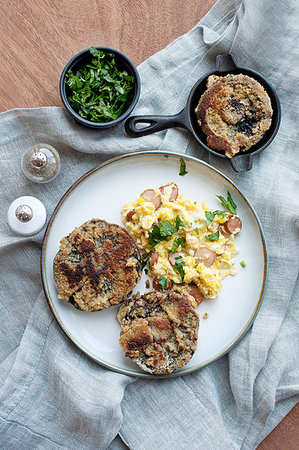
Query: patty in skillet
x=235, y=112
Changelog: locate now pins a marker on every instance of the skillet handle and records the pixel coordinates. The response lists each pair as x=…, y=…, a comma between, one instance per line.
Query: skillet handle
x=225, y=63
x=241, y=163
x=156, y=123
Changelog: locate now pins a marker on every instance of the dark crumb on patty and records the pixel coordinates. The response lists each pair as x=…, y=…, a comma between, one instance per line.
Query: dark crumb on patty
x=97, y=266
x=234, y=112
x=158, y=331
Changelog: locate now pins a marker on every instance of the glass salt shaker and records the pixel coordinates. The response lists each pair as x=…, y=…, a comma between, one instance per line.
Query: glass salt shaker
x=41, y=163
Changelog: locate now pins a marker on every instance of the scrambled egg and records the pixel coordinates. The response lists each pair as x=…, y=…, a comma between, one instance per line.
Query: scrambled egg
x=141, y=215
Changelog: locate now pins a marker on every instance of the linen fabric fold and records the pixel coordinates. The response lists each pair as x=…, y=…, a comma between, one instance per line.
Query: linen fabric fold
x=51, y=394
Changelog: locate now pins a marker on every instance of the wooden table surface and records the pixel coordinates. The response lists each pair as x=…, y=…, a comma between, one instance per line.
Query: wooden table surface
x=38, y=37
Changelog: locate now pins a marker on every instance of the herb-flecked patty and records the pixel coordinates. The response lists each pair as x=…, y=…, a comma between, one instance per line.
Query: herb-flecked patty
x=97, y=266
x=235, y=112
x=158, y=330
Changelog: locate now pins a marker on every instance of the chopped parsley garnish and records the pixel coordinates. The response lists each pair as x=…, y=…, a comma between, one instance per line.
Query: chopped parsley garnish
x=209, y=217
x=213, y=237
x=144, y=260
x=166, y=156
x=164, y=283
x=155, y=236
x=229, y=203
x=183, y=170
x=100, y=91
x=177, y=242
x=179, y=223
x=179, y=266
x=164, y=231
x=197, y=230
x=242, y=263
x=167, y=229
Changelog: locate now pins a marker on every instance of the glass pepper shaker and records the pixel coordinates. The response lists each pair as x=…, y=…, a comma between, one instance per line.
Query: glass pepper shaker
x=41, y=163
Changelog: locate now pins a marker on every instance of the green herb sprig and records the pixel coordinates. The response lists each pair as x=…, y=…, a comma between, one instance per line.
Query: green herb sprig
x=164, y=231
x=164, y=282
x=213, y=237
x=220, y=213
x=209, y=217
x=229, y=203
x=179, y=266
x=183, y=170
x=100, y=91
x=144, y=260
x=177, y=242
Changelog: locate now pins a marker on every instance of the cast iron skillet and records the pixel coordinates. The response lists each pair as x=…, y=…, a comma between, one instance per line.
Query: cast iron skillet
x=187, y=119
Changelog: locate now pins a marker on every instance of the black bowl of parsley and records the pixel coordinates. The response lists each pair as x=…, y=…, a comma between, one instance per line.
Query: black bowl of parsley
x=99, y=87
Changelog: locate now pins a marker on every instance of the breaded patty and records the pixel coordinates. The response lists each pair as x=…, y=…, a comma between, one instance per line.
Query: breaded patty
x=97, y=266
x=158, y=330
x=235, y=112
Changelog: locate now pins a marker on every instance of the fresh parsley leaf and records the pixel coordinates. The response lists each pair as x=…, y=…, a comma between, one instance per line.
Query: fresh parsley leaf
x=220, y=213
x=164, y=283
x=242, y=263
x=229, y=203
x=166, y=156
x=197, y=230
x=165, y=231
x=155, y=236
x=177, y=242
x=100, y=91
x=95, y=52
x=179, y=266
x=183, y=170
x=179, y=223
x=232, y=203
x=209, y=217
x=144, y=260
x=213, y=237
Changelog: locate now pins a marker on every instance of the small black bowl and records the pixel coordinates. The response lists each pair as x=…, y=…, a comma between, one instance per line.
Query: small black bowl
x=80, y=60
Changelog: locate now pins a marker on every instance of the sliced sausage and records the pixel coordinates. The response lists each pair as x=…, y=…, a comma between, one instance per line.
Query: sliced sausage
x=130, y=215
x=154, y=258
x=174, y=191
x=172, y=256
x=149, y=195
x=205, y=255
x=196, y=294
x=233, y=224
x=157, y=286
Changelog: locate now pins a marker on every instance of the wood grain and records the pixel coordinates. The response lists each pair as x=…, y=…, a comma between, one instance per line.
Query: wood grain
x=38, y=37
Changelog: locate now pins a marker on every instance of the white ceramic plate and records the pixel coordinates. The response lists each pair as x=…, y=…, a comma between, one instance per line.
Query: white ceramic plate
x=101, y=193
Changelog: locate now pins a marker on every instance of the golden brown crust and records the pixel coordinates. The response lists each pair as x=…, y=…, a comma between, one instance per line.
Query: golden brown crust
x=235, y=112
x=158, y=330
x=97, y=266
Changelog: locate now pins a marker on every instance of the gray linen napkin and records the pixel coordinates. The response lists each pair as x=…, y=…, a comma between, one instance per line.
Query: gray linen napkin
x=53, y=396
